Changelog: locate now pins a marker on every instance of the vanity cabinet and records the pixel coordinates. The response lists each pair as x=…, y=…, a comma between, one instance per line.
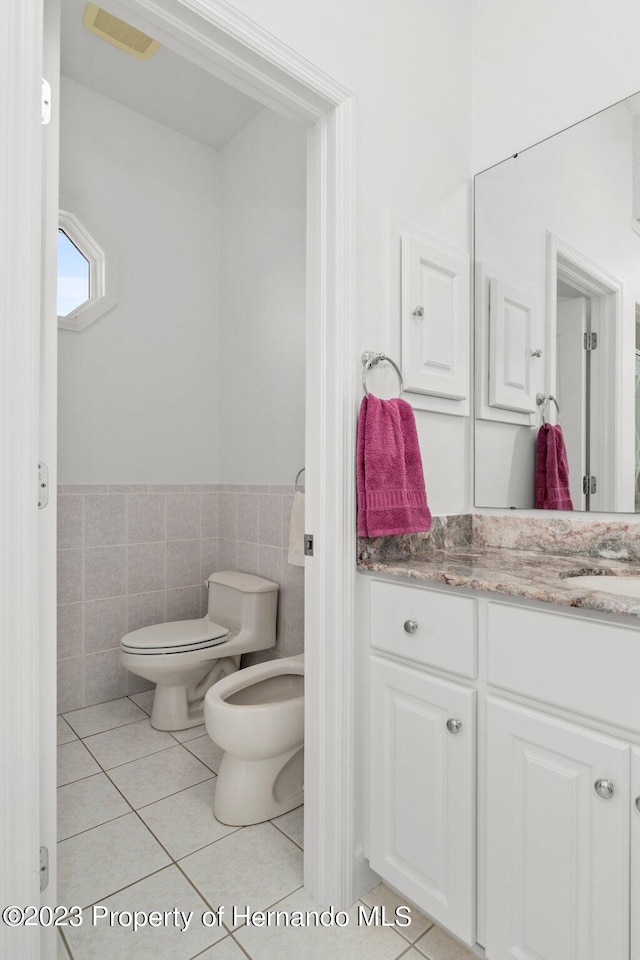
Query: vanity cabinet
x=557, y=835
x=423, y=740
x=635, y=853
x=517, y=829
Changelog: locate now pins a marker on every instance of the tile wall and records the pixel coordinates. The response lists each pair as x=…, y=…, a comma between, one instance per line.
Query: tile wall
x=129, y=556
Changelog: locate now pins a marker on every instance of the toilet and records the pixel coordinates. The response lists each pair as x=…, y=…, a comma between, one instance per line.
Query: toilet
x=257, y=717
x=185, y=658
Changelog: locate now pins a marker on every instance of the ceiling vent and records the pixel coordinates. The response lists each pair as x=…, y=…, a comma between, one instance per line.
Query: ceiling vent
x=118, y=32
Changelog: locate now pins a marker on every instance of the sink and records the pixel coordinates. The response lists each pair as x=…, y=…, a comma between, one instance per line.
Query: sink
x=621, y=586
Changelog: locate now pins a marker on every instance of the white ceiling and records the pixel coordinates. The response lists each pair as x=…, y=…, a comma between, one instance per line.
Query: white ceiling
x=167, y=88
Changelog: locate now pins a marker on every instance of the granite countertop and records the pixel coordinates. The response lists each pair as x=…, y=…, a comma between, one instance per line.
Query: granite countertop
x=532, y=564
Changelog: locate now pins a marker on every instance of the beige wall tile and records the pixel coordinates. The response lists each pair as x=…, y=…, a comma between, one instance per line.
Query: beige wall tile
x=104, y=572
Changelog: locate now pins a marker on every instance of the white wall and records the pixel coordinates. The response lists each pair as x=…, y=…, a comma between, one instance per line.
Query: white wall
x=262, y=302
x=137, y=392
x=538, y=67
x=408, y=65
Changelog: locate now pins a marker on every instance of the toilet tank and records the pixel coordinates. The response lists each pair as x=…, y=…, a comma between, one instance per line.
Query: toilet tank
x=247, y=605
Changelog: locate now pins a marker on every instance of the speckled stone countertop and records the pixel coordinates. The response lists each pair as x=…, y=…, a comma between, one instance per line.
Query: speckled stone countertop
x=515, y=556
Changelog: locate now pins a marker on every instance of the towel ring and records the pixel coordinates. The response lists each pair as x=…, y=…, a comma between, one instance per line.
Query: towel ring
x=542, y=400
x=298, y=475
x=371, y=360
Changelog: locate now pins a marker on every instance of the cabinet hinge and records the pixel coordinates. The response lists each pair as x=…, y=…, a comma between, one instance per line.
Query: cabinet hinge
x=589, y=484
x=308, y=544
x=44, y=868
x=46, y=102
x=590, y=341
x=43, y=485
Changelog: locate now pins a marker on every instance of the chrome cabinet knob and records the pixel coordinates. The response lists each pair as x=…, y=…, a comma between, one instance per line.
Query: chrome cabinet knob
x=454, y=726
x=604, y=789
x=410, y=627
x=419, y=311
x=638, y=804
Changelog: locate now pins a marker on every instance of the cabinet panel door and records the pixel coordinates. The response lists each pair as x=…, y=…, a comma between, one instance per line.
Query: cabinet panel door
x=557, y=853
x=435, y=338
x=635, y=853
x=423, y=792
x=511, y=380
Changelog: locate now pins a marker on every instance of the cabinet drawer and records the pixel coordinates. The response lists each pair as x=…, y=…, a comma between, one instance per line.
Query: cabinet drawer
x=445, y=636
x=587, y=667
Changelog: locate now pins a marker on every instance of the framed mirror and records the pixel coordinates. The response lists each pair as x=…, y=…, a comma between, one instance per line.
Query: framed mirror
x=557, y=314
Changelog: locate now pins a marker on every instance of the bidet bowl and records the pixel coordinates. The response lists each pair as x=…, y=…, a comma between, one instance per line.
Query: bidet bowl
x=258, y=712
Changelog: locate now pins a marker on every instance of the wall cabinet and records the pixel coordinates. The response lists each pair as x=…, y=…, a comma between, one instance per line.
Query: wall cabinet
x=556, y=832
x=423, y=806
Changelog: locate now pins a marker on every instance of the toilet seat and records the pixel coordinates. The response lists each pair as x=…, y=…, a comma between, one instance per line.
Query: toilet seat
x=178, y=636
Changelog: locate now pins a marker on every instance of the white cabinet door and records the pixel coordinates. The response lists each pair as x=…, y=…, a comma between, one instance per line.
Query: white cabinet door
x=435, y=321
x=557, y=853
x=511, y=371
x=423, y=792
x=635, y=853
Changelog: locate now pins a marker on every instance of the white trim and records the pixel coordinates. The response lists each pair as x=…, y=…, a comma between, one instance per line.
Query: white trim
x=223, y=41
x=20, y=258
x=330, y=855
x=226, y=43
x=103, y=272
x=48, y=452
x=595, y=282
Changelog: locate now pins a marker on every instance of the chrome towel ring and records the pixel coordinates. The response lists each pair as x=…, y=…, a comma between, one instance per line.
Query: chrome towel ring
x=297, y=480
x=542, y=400
x=371, y=360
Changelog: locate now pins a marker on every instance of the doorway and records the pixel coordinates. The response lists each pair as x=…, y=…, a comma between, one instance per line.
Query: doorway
x=176, y=378
x=585, y=319
x=256, y=62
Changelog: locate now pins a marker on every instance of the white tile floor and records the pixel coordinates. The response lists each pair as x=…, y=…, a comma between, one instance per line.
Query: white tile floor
x=137, y=832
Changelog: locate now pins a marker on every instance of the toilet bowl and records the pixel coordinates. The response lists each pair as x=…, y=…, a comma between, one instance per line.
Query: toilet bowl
x=184, y=658
x=257, y=717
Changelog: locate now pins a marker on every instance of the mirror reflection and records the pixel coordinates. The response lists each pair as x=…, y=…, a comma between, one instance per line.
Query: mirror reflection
x=557, y=306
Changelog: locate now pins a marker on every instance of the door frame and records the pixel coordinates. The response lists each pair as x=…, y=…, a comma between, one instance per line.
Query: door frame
x=606, y=294
x=20, y=279
x=224, y=42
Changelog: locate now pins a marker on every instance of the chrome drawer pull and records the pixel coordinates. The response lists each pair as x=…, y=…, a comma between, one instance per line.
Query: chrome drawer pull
x=410, y=627
x=454, y=726
x=604, y=789
x=638, y=803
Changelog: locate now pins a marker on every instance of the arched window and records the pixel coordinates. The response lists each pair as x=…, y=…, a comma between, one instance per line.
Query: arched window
x=87, y=282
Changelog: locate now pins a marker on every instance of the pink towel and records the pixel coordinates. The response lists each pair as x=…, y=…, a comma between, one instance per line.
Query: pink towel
x=552, y=470
x=391, y=493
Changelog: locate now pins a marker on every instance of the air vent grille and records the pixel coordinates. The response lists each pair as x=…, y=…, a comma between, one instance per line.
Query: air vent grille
x=118, y=32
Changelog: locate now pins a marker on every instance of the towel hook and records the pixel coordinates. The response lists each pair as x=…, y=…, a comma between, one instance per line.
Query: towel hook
x=298, y=475
x=542, y=400
x=371, y=360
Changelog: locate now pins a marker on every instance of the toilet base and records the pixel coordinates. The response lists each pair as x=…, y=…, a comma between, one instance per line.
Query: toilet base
x=172, y=711
x=252, y=791
x=177, y=706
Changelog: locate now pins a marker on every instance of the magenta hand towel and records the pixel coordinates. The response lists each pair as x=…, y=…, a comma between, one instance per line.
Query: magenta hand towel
x=391, y=493
x=552, y=470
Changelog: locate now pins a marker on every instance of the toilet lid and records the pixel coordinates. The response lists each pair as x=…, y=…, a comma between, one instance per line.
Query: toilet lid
x=179, y=636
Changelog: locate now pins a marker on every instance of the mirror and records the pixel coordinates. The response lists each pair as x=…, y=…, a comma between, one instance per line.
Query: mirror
x=557, y=314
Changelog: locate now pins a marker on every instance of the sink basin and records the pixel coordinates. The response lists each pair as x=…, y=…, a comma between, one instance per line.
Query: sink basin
x=621, y=586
